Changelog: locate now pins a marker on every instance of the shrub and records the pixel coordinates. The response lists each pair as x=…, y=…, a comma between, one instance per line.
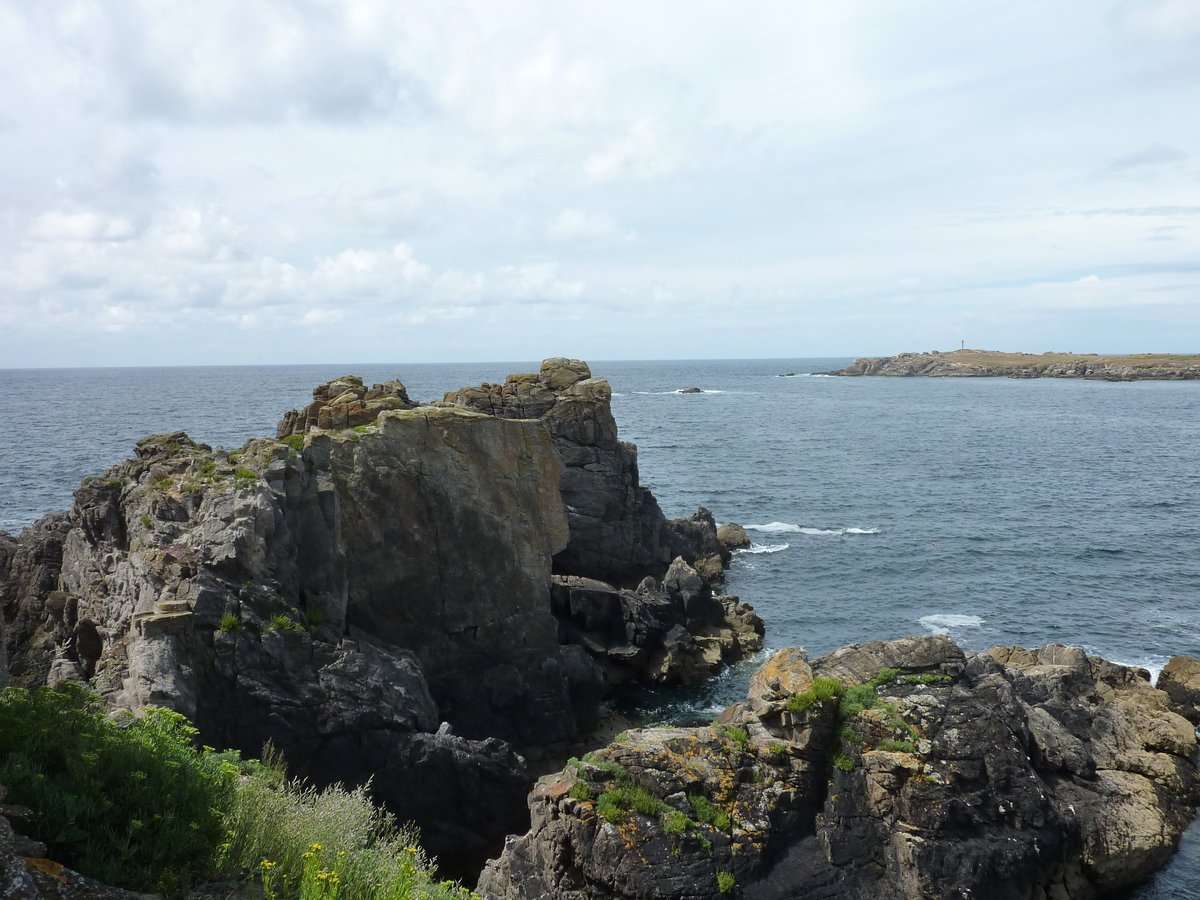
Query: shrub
x=726, y=882
x=315, y=616
x=295, y=441
x=778, y=749
x=581, y=790
x=135, y=806
x=145, y=521
x=230, y=622
x=290, y=834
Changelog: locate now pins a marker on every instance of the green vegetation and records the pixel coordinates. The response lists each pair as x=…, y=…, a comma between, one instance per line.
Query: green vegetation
x=283, y=622
x=230, y=622
x=314, y=616
x=739, y=736
x=295, y=441
x=778, y=749
x=135, y=806
x=901, y=746
x=581, y=790
x=709, y=814
x=726, y=882
x=364, y=429
x=928, y=679
x=822, y=691
x=289, y=835
x=145, y=520
x=621, y=738
x=207, y=468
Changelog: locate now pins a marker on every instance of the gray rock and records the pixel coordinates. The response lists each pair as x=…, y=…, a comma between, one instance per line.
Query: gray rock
x=1180, y=681
x=1013, y=774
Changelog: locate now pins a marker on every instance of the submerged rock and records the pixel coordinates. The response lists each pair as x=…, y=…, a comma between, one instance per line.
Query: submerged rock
x=906, y=769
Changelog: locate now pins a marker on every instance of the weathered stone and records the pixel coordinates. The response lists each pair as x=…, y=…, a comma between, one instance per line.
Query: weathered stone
x=1051, y=774
x=1180, y=681
x=733, y=536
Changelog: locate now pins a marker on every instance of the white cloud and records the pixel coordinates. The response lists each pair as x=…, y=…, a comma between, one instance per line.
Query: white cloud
x=574, y=226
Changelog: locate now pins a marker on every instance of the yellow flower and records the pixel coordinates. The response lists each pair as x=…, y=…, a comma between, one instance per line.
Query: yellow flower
x=316, y=848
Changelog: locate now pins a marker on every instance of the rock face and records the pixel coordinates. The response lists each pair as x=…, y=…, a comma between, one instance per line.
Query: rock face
x=1009, y=774
x=1180, y=681
x=617, y=530
x=675, y=632
x=992, y=363
x=340, y=602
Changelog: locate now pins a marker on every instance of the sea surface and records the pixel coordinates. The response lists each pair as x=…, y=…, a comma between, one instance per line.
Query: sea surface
x=998, y=511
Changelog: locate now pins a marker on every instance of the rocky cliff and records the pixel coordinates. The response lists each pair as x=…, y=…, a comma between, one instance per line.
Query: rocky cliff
x=907, y=769
x=372, y=594
x=991, y=363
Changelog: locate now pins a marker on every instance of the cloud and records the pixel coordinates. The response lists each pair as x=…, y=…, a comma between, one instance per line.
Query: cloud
x=1152, y=155
x=573, y=226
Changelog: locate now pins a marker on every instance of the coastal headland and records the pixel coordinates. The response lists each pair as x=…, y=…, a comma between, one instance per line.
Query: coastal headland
x=996, y=363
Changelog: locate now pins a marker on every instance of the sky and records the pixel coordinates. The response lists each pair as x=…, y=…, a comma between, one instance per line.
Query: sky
x=265, y=182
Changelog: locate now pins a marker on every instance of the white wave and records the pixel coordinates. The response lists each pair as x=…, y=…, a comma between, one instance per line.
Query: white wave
x=944, y=622
x=756, y=548
x=785, y=528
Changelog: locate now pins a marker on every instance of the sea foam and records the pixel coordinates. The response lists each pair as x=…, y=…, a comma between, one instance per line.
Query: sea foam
x=944, y=622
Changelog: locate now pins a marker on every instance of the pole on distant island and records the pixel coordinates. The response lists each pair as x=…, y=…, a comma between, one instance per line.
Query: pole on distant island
x=962, y=345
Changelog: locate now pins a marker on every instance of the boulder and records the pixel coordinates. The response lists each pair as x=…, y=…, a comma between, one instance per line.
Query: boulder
x=1180, y=681
x=733, y=536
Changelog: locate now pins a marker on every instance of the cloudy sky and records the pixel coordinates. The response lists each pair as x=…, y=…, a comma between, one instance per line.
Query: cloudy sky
x=264, y=181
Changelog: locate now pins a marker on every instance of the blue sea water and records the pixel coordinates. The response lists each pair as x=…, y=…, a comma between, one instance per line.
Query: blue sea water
x=999, y=511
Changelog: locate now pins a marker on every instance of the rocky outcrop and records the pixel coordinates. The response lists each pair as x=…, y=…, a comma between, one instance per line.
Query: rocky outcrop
x=340, y=602
x=906, y=769
x=617, y=530
x=371, y=593
x=1180, y=681
x=992, y=363
x=673, y=632
x=344, y=403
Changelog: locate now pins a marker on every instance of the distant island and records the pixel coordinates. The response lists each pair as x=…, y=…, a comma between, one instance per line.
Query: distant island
x=994, y=363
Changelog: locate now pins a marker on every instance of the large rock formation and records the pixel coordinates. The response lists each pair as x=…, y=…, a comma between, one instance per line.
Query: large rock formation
x=340, y=602
x=617, y=528
x=1008, y=774
x=380, y=569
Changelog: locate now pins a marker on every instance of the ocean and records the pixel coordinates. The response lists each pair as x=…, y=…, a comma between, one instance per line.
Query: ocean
x=999, y=511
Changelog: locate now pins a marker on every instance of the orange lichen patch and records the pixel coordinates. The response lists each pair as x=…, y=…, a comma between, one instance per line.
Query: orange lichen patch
x=559, y=788
x=49, y=866
x=785, y=673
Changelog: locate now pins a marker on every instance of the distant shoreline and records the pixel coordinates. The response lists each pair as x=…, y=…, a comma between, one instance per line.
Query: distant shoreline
x=995, y=364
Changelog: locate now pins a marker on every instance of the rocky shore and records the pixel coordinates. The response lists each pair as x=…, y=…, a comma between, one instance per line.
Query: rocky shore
x=437, y=598
x=907, y=769
x=993, y=363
